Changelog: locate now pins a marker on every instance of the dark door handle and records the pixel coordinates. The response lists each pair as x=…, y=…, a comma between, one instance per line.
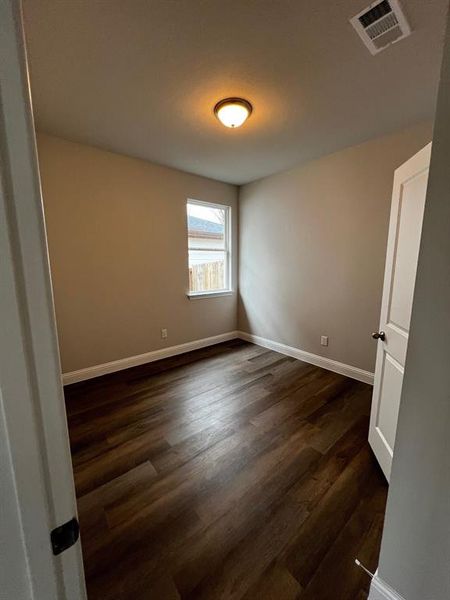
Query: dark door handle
x=379, y=335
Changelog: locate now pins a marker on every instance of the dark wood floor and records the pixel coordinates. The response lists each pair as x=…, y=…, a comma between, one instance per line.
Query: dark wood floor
x=229, y=472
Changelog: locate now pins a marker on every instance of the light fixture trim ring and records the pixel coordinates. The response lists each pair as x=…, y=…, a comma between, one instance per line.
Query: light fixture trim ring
x=233, y=100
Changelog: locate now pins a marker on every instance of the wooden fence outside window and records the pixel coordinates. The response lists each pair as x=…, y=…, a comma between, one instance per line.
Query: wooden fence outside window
x=207, y=276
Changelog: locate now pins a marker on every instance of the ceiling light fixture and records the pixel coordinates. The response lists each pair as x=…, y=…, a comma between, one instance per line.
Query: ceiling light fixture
x=233, y=112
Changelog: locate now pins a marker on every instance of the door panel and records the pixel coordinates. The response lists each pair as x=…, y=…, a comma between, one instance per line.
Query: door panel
x=389, y=401
x=405, y=227
x=412, y=204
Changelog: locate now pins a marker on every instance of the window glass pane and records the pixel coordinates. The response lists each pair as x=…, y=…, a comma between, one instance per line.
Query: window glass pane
x=206, y=226
x=207, y=270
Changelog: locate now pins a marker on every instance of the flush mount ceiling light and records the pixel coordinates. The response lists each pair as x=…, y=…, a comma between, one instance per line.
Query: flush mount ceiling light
x=233, y=112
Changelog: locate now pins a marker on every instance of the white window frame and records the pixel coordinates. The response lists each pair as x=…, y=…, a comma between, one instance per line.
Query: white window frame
x=228, y=290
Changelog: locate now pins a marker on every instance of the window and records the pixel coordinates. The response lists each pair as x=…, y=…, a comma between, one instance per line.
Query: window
x=209, y=248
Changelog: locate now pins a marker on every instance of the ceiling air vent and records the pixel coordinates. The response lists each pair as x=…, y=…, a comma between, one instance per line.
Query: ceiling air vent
x=381, y=24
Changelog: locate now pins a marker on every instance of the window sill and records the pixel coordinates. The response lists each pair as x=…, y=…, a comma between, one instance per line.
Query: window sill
x=197, y=295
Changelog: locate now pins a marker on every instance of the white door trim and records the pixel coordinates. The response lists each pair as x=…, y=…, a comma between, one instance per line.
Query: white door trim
x=380, y=590
x=31, y=393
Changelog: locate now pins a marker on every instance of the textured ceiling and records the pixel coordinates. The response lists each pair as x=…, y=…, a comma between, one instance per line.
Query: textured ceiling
x=141, y=77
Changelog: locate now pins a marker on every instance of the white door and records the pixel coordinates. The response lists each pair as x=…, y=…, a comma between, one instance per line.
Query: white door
x=36, y=482
x=405, y=228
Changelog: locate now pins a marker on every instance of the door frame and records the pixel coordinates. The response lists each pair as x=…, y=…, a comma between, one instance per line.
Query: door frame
x=35, y=444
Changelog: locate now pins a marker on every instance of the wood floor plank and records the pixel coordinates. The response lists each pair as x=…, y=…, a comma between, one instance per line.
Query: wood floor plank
x=284, y=450
x=116, y=461
x=317, y=390
x=331, y=466
x=192, y=446
x=358, y=539
x=140, y=556
x=250, y=515
x=276, y=582
x=228, y=472
x=247, y=562
x=327, y=519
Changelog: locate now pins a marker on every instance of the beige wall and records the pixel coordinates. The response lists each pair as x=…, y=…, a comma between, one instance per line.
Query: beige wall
x=312, y=248
x=118, y=251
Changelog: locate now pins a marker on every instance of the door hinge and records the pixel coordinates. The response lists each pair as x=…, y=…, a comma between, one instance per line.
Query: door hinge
x=64, y=536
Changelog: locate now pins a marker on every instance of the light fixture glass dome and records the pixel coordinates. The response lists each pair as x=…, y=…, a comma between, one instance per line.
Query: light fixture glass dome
x=233, y=112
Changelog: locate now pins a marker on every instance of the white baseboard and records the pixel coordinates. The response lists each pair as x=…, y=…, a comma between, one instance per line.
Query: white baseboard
x=314, y=359
x=147, y=357
x=380, y=590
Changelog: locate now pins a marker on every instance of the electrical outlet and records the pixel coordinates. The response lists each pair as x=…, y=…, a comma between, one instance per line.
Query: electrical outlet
x=324, y=340
x=164, y=334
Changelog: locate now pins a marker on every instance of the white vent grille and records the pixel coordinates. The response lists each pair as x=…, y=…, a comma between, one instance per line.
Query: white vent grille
x=381, y=24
